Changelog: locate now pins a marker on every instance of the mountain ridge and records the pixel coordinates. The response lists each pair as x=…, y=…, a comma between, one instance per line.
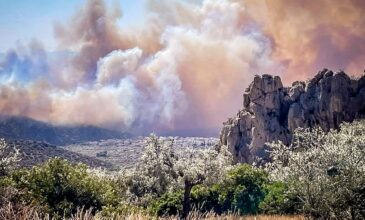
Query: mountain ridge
x=35, y=152
x=24, y=128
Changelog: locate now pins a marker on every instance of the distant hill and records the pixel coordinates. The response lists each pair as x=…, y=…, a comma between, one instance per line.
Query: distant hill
x=35, y=152
x=15, y=128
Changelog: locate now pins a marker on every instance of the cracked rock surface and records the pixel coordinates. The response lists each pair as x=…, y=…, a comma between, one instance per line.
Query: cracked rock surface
x=272, y=112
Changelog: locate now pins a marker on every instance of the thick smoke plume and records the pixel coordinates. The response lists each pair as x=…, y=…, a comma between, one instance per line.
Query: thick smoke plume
x=184, y=69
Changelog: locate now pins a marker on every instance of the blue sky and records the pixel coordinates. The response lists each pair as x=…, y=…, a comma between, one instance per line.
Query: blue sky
x=23, y=20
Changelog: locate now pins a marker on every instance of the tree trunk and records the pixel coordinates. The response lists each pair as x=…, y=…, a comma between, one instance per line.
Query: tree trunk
x=186, y=203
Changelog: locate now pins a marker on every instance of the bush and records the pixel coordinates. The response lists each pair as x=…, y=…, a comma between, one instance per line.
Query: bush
x=325, y=170
x=278, y=200
x=245, y=189
x=168, y=204
x=62, y=187
x=206, y=199
x=8, y=158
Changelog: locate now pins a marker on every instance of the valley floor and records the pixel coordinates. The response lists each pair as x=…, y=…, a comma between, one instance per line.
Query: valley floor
x=125, y=153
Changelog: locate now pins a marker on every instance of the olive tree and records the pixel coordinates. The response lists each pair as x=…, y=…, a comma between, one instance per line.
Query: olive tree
x=8, y=157
x=326, y=170
x=164, y=168
x=153, y=175
x=194, y=167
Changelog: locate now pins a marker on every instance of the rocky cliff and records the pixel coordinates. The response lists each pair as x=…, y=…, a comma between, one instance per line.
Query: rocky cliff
x=272, y=112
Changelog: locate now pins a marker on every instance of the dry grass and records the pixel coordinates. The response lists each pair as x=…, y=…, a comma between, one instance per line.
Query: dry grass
x=8, y=212
x=213, y=216
x=24, y=213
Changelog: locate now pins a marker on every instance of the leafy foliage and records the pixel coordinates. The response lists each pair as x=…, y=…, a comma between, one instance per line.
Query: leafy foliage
x=278, y=200
x=164, y=168
x=244, y=189
x=153, y=175
x=168, y=204
x=8, y=161
x=62, y=187
x=321, y=174
x=325, y=170
x=8, y=158
x=240, y=191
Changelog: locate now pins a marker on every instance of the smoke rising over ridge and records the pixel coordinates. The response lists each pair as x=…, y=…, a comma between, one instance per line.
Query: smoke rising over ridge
x=184, y=69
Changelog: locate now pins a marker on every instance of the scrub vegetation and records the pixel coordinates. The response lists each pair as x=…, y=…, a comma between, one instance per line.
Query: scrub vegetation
x=321, y=175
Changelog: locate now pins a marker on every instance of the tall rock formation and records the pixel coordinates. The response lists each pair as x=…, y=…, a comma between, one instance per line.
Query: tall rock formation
x=272, y=112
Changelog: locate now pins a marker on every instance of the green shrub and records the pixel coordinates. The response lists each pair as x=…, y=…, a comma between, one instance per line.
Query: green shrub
x=278, y=200
x=168, y=204
x=206, y=199
x=243, y=190
x=62, y=187
x=8, y=194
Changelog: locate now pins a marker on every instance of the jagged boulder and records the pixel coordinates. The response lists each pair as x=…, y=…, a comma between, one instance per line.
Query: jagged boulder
x=272, y=112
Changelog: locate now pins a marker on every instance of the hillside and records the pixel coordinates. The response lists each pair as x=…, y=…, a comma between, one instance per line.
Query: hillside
x=15, y=128
x=34, y=152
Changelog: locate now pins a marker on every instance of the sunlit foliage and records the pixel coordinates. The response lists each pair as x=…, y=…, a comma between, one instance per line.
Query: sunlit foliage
x=325, y=170
x=8, y=158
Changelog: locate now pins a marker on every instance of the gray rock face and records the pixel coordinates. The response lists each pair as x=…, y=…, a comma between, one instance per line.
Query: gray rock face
x=272, y=112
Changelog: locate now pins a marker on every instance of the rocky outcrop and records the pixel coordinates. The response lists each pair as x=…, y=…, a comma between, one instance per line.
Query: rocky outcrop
x=272, y=112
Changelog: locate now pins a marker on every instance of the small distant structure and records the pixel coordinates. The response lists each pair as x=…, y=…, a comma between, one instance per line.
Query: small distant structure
x=102, y=154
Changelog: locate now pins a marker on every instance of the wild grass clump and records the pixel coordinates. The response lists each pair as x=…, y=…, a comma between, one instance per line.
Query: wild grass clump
x=32, y=213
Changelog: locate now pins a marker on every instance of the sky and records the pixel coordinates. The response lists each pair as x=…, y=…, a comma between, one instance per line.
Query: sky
x=23, y=20
x=174, y=67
